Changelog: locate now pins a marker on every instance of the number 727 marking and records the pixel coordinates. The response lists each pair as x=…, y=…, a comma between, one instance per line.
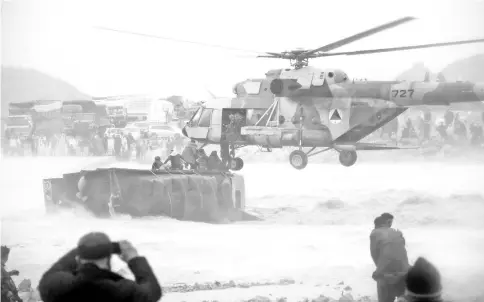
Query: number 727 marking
x=402, y=93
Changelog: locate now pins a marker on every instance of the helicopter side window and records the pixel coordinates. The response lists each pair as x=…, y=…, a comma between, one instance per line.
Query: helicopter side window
x=205, y=118
x=216, y=117
x=252, y=88
x=196, y=117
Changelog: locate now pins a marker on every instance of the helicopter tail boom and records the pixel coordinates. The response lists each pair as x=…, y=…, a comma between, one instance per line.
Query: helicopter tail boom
x=434, y=93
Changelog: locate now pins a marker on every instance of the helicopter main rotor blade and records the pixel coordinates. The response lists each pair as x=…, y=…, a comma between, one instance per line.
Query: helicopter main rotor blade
x=174, y=39
x=271, y=57
x=275, y=54
x=359, y=36
x=370, y=51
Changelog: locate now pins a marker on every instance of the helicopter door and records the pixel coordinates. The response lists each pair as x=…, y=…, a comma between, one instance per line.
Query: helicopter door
x=232, y=122
x=197, y=128
x=215, y=130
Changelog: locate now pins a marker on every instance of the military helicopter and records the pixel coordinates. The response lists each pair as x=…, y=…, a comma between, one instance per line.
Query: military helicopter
x=307, y=107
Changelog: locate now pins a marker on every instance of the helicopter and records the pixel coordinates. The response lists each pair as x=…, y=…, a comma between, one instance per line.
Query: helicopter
x=307, y=107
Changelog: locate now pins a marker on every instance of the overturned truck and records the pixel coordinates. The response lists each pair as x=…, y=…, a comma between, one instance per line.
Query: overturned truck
x=185, y=195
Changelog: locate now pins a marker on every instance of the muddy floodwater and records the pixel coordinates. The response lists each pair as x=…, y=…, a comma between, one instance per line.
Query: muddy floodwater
x=315, y=231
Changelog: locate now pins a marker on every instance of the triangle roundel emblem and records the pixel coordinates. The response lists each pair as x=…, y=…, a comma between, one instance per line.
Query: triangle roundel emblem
x=335, y=116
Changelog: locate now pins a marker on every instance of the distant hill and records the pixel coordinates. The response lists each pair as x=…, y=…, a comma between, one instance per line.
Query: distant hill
x=469, y=69
x=22, y=85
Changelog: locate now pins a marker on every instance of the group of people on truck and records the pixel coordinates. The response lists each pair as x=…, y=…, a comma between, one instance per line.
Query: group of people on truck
x=191, y=158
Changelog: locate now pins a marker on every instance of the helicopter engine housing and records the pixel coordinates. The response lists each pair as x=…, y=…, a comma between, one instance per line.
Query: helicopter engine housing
x=284, y=87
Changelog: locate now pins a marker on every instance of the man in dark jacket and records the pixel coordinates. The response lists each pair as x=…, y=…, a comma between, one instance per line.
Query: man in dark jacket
x=387, y=248
x=84, y=274
x=214, y=162
x=176, y=160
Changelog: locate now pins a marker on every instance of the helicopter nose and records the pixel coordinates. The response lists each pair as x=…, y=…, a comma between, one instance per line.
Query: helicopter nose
x=479, y=91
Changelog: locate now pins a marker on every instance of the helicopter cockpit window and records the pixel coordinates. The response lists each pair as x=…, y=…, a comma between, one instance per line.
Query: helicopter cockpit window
x=196, y=117
x=205, y=118
x=252, y=87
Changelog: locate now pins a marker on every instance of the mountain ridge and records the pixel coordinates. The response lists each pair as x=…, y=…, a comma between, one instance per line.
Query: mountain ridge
x=27, y=84
x=467, y=69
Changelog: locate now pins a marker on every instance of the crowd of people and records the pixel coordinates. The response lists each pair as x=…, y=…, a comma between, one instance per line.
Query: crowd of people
x=84, y=273
x=451, y=129
x=192, y=158
x=119, y=145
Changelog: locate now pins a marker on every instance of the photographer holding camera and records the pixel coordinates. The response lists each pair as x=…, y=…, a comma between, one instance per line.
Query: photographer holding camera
x=84, y=274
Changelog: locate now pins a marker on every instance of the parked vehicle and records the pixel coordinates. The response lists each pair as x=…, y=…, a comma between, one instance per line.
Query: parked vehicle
x=161, y=131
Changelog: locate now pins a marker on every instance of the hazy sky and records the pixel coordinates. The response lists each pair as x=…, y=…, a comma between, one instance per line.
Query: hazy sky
x=57, y=37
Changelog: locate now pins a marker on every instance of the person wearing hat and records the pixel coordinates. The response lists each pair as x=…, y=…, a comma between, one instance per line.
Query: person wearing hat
x=387, y=248
x=423, y=282
x=84, y=274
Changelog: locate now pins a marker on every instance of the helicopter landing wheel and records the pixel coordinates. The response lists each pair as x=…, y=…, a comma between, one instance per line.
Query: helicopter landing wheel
x=298, y=159
x=348, y=158
x=236, y=164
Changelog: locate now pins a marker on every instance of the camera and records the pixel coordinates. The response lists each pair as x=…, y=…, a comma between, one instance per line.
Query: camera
x=93, y=252
x=115, y=248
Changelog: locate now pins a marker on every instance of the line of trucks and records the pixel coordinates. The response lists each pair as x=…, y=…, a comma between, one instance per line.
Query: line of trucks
x=79, y=118
x=48, y=118
x=75, y=118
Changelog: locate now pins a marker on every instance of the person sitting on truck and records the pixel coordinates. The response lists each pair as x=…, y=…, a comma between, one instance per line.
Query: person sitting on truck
x=176, y=160
x=214, y=162
x=202, y=160
x=157, y=164
x=189, y=154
